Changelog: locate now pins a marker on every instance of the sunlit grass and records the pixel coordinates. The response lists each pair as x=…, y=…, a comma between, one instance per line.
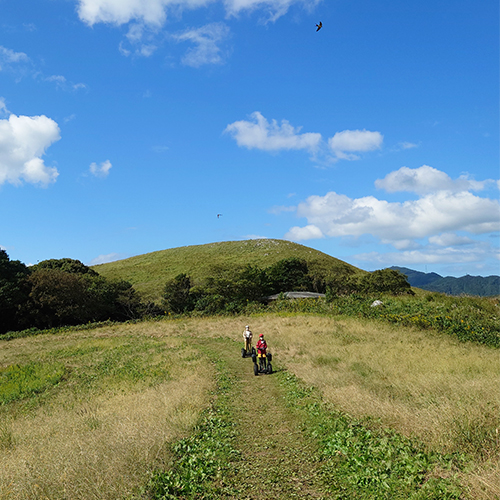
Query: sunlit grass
x=129, y=389
x=99, y=432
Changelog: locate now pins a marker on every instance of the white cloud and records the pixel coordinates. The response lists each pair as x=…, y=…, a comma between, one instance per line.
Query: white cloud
x=260, y=134
x=62, y=83
x=407, y=145
x=104, y=259
x=23, y=141
x=101, y=170
x=482, y=254
x=146, y=19
x=3, y=107
x=151, y=12
x=154, y=12
x=206, y=40
x=426, y=179
x=435, y=215
x=276, y=210
x=347, y=142
x=274, y=8
x=308, y=232
x=433, y=256
x=9, y=57
x=337, y=215
x=450, y=239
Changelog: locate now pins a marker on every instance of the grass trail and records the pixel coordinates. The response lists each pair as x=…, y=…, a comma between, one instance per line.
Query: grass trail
x=270, y=437
x=277, y=460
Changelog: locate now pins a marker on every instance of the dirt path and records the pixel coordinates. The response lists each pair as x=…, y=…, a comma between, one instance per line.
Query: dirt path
x=277, y=461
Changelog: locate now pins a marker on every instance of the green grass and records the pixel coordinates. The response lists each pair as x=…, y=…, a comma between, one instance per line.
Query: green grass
x=372, y=464
x=17, y=382
x=148, y=273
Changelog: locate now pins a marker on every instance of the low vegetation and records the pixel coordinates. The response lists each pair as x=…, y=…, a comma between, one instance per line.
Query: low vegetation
x=370, y=400
x=97, y=430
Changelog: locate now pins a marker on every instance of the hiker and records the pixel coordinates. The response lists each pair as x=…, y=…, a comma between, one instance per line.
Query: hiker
x=247, y=337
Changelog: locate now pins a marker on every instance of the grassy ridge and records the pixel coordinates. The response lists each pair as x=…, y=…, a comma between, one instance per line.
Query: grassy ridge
x=149, y=272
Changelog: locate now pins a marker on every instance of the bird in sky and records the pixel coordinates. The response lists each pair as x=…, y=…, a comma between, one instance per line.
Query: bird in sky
x=319, y=26
x=218, y=215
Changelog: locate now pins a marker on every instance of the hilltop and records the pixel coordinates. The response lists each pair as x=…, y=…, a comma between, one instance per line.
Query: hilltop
x=149, y=272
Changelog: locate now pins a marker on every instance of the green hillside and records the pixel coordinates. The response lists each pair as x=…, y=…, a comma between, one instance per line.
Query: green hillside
x=148, y=273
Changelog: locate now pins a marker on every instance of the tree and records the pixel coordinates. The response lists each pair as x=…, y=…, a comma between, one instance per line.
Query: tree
x=177, y=297
x=66, y=292
x=57, y=298
x=14, y=292
x=67, y=265
x=289, y=275
x=386, y=281
x=342, y=284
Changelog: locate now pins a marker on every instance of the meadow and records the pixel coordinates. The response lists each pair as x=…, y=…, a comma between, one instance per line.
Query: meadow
x=97, y=412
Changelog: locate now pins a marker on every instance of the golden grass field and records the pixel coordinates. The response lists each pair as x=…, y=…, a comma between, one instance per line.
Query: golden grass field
x=99, y=432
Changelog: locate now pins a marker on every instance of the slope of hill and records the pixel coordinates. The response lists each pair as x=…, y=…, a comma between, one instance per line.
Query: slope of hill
x=468, y=285
x=148, y=273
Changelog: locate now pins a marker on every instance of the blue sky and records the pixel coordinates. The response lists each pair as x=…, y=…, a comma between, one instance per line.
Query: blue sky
x=127, y=126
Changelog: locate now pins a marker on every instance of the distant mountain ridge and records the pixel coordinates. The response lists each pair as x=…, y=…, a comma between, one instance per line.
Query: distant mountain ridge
x=467, y=285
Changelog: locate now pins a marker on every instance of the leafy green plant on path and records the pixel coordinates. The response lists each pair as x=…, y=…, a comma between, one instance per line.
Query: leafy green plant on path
x=286, y=443
x=202, y=458
x=358, y=462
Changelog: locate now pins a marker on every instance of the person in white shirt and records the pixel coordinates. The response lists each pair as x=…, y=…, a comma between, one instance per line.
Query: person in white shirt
x=247, y=337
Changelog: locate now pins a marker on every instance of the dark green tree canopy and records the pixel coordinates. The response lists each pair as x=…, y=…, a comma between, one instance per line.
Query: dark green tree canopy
x=13, y=291
x=67, y=265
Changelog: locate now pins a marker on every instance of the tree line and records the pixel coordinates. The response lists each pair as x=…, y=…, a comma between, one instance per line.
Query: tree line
x=232, y=291
x=61, y=292
x=64, y=292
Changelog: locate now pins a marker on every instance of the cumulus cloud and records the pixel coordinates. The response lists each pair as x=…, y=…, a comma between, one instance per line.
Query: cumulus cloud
x=271, y=136
x=308, y=232
x=344, y=144
x=338, y=215
x=23, y=142
x=101, y=170
x=437, y=216
x=426, y=179
x=206, y=42
x=450, y=239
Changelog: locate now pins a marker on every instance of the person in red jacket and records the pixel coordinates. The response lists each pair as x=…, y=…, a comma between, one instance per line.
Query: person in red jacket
x=261, y=345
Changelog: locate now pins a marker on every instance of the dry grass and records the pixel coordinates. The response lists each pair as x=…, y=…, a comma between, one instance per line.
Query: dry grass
x=101, y=443
x=445, y=393
x=96, y=444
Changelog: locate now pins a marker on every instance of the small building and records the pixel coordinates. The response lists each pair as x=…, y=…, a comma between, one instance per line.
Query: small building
x=294, y=295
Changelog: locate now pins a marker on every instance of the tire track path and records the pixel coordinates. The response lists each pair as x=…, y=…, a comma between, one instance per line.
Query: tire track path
x=277, y=460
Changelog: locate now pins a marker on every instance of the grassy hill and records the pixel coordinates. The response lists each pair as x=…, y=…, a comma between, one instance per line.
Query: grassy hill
x=148, y=273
